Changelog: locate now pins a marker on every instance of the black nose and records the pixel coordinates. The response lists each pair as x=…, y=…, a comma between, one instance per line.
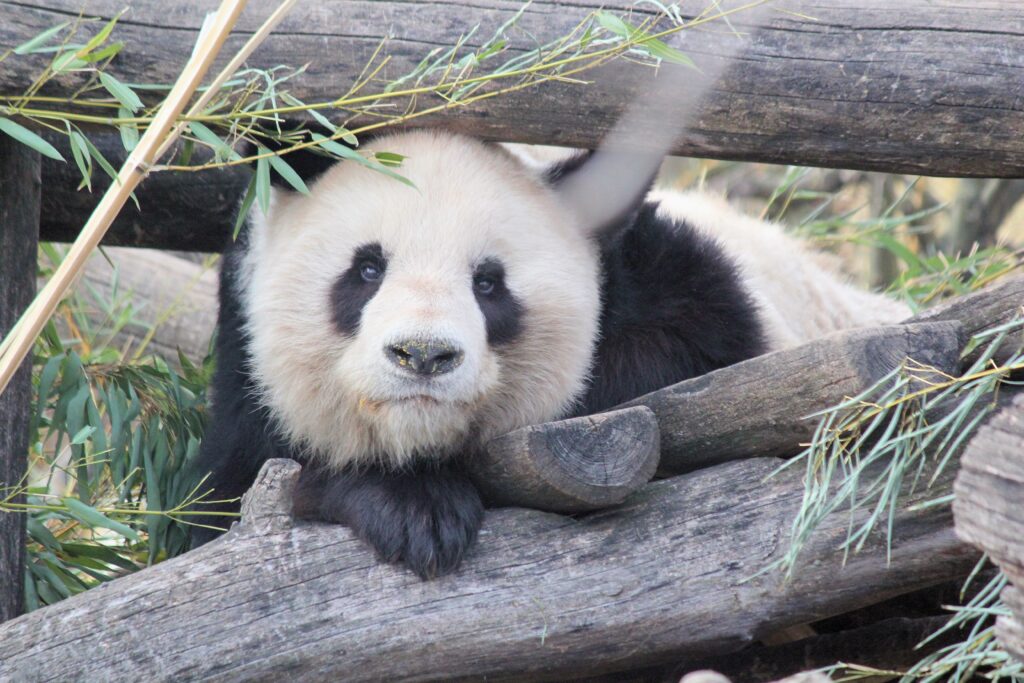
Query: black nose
x=425, y=357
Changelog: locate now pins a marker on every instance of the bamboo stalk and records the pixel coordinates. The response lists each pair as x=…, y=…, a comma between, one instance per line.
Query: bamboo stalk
x=154, y=142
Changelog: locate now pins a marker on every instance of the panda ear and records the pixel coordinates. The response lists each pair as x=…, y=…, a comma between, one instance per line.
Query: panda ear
x=605, y=189
x=308, y=163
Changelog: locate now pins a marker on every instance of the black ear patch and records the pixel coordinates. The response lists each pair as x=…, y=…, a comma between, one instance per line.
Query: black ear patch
x=607, y=228
x=309, y=162
x=356, y=286
x=563, y=169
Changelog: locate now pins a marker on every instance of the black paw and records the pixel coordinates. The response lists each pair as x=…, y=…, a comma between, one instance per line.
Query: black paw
x=424, y=519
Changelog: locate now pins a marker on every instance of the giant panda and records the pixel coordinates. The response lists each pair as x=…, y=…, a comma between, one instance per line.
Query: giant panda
x=380, y=333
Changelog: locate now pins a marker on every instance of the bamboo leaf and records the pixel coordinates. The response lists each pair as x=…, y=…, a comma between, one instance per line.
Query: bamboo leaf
x=125, y=95
x=288, y=173
x=94, y=518
x=33, y=44
x=27, y=137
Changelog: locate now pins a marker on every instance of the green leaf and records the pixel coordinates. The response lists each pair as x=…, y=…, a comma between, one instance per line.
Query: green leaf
x=32, y=44
x=94, y=518
x=101, y=36
x=83, y=435
x=129, y=133
x=243, y=210
x=657, y=48
x=614, y=24
x=389, y=159
x=221, y=148
x=27, y=137
x=289, y=174
x=80, y=152
x=109, y=51
x=125, y=95
x=263, y=179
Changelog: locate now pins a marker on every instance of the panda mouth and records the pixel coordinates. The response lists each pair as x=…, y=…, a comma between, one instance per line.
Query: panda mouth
x=418, y=400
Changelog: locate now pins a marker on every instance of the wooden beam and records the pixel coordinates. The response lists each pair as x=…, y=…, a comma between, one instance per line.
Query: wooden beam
x=760, y=407
x=672, y=574
x=906, y=87
x=19, y=229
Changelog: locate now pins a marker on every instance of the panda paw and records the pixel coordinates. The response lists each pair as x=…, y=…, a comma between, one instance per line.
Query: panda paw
x=426, y=520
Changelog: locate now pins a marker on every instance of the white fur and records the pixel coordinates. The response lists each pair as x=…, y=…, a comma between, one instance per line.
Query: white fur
x=340, y=398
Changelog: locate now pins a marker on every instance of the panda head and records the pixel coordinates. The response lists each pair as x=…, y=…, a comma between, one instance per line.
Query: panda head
x=388, y=322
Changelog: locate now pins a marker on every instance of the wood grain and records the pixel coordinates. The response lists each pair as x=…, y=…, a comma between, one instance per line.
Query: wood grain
x=760, y=407
x=989, y=491
x=909, y=87
x=576, y=465
x=667, y=576
x=19, y=230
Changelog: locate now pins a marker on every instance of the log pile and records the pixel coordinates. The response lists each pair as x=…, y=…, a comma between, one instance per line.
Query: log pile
x=665, y=583
x=989, y=509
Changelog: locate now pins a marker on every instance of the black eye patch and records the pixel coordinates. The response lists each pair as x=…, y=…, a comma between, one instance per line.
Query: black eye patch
x=356, y=286
x=502, y=311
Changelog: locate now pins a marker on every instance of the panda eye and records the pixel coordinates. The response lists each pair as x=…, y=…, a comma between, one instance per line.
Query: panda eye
x=370, y=271
x=484, y=284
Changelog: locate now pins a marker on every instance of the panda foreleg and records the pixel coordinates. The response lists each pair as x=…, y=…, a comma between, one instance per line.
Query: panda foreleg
x=426, y=517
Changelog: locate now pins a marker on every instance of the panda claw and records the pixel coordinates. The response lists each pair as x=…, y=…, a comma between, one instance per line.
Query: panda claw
x=426, y=520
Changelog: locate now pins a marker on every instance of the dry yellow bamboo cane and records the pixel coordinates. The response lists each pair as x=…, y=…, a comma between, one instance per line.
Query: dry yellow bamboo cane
x=131, y=173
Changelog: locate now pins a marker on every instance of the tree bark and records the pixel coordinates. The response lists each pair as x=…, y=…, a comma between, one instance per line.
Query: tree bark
x=760, y=407
x=995, y=305
x=907, y=87
x=989, y=514
x=19, y=230
x=672, y=574
x=576, y=465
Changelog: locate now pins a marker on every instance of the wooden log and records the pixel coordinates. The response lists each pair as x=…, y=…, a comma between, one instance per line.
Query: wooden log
x=989, y=514
x=669, y=575
x=19, y=230
x=907, y=87
x=995, y=305
x=176, y=296
x=179, y=211
x=760, y=407
x=577, y=465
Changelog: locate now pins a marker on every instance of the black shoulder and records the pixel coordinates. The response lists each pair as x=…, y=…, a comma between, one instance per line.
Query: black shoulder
x=240, y=436
x=674, y=307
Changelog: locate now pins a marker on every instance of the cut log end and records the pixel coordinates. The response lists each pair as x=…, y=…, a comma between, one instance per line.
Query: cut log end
x=574, y=465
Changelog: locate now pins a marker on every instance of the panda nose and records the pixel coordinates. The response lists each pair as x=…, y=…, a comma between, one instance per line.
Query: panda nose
x=425, y=357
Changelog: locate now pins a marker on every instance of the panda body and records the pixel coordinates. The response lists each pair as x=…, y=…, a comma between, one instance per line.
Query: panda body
x=380, y=333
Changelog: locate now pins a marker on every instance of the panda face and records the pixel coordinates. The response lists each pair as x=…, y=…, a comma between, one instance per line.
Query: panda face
x=387, y=322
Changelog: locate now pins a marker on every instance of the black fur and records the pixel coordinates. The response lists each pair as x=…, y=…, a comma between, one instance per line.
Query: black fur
x=351, y=292
x=673, y=308
x=241, y=434
x=502, y=311
x=425, y=517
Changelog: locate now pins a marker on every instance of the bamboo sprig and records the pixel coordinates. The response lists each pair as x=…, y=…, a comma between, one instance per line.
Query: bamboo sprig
x=130, y=175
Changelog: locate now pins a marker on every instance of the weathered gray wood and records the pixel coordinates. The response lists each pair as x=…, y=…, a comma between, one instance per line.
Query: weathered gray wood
x=909, y=87
x=759, y=407
x=667, y=576
x=180, y=211
x=19, y=230
x=989, y=512
x=177, y=296
x=995, y=305
x=576, y=465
